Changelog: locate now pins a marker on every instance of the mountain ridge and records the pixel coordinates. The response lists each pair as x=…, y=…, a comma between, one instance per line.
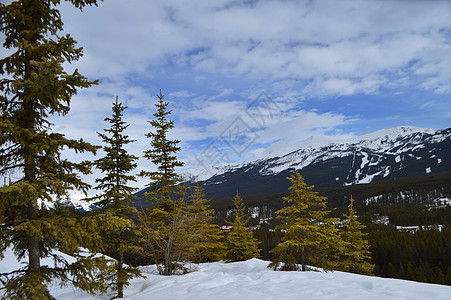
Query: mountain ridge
x=385, y=154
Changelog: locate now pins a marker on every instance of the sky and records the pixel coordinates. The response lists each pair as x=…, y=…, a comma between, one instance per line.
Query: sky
x=251, y=79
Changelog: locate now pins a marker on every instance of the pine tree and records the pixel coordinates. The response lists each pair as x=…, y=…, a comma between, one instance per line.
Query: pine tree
x=165, y=219
x=115, y=225
x=35, y=87
x=309, y=235
x=356, y=250
x=203, y=238
x=240, y=243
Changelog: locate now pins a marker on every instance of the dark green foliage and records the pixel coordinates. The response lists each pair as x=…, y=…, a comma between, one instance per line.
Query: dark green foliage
x=240, y=243
x=114, y=224
x=116, y=164
x=268, y=238
x=177, y=228
x=164, y=181
x=310, y=236
x=423, y=255
x=421, y=190
x=415, y=190
x=404, y=214
x=34, y=87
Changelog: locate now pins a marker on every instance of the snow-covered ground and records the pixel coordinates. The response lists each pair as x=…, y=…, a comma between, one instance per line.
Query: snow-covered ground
x=252, y=280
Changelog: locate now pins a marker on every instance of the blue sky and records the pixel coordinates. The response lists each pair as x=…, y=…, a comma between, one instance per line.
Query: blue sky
x=330, y=69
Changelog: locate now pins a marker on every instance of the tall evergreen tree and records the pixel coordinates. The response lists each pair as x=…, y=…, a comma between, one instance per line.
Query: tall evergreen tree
x=116, y=195
x=165, y=218
x=35, y=87
x=310, y=236
x=240, y=243
x=355, y=255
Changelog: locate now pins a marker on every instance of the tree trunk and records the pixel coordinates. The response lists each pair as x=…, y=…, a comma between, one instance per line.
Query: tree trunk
x=120, y=284
x=303, y=260
x=34, y=263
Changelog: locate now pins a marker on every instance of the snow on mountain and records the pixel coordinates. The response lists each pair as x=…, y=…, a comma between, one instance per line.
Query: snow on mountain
x=384, y=154
x=384, y=135
x=75, y=199
x=252, y=280
x=314, y=141
x=328, y=162
x=388, y=141
x=324, y=148
x=200, y=174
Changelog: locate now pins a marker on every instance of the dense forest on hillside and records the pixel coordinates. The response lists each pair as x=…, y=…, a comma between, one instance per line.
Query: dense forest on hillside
x=420, y=255
x=421, y=252
x=420, y=190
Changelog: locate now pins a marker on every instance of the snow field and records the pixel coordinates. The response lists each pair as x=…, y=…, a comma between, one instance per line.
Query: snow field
x=252, y=280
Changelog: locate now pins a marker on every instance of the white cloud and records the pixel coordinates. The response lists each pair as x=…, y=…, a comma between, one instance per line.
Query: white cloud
x=426, y=104
x=304, y=39
x=181, y=94
x=344, y=86
x=231, y=51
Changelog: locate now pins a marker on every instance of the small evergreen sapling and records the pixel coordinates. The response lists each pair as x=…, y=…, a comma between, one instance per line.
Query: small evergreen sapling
x=203, y=237
x=355, y=255
x=240, y=243
x=310, y=236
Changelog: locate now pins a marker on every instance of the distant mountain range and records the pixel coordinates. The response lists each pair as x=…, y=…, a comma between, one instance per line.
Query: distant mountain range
x=385, y=154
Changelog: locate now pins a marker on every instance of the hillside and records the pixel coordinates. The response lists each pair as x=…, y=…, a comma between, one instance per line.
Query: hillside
x=425, y=190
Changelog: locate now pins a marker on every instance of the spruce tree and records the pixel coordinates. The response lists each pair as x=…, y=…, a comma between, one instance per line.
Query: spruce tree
x=35, y=87
x=240, y=244
x=165, y=219
x=310, y=236
x=355, y=255
x=115, y=224
x=203, y=238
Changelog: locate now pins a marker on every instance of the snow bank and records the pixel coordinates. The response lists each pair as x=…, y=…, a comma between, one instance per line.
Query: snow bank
x=252, y=280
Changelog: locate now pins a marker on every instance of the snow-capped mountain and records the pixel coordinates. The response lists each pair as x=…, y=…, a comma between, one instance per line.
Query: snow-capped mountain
x=385, y=154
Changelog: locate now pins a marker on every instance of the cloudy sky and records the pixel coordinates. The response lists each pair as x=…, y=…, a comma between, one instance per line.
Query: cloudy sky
x=247, y=79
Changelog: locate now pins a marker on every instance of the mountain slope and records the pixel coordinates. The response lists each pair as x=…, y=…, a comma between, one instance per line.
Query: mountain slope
x=386, y=154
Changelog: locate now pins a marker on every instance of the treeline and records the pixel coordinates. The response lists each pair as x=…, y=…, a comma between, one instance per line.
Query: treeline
x=377, y=197
x=401, y=214
x=407, y=214
x=412, y=190
x=422, y=255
